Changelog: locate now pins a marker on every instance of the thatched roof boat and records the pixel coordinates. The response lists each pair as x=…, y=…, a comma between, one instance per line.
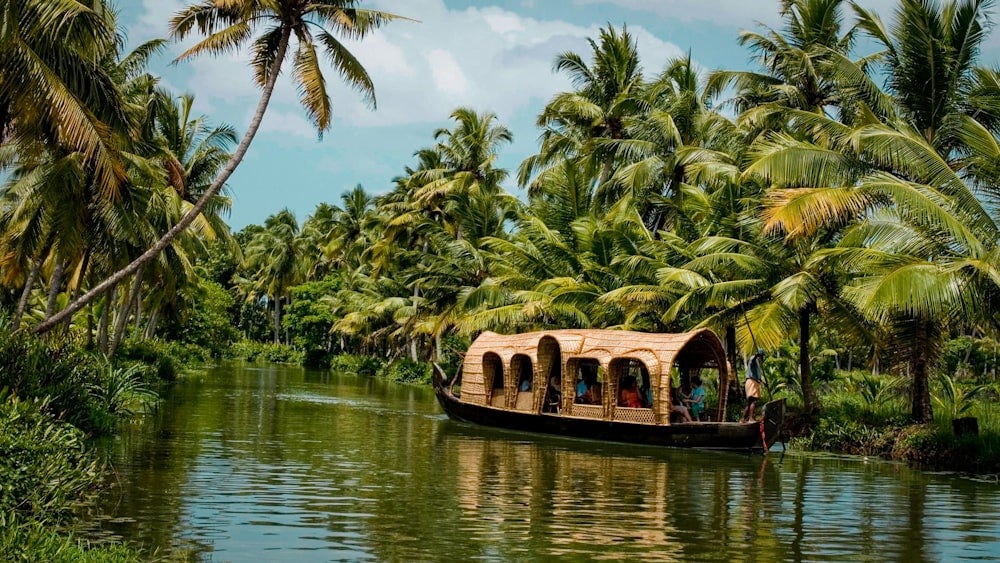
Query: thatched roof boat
x=534, y=382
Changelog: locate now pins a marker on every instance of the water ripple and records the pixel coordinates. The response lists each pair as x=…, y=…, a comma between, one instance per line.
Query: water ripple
x=263, y=464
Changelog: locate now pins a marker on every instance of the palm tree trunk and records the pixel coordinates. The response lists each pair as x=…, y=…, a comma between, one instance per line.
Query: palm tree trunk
x=84, y=264
x=154, y=318
x=89, y=342
x=133, y=296
x=102, y=326
x=190, y=216
x=29, y=284
x=54, y=284
x=921, y=391
x=416, y=297
x=805, y=366
x=277, y=320
x=731, y=347
x=137, y=328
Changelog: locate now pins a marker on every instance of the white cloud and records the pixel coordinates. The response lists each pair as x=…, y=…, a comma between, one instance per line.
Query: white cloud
x=744, y=14
x=486, y=58
x=154, y=19
x=447, y=74
x=288, y=126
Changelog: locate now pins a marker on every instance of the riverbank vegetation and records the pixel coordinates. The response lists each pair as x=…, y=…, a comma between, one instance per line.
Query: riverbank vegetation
x=835, y=206
x=53, y=397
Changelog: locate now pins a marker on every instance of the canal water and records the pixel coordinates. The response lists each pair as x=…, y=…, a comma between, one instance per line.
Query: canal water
x=250, y=463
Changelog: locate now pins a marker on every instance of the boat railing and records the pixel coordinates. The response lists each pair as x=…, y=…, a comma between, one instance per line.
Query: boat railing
x=634, y=414
x=587, y=411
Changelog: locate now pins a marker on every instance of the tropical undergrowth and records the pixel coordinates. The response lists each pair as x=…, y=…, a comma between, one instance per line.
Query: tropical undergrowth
x=84, y=389
x=253, y=351
x=868, y=415
x=400, y=370
x=54, y=396
x=46, y=470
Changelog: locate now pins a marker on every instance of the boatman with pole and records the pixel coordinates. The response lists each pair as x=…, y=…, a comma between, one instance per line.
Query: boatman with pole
x=755, y=377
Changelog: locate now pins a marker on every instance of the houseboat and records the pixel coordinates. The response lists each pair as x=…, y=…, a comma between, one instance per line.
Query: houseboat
x=604, y=385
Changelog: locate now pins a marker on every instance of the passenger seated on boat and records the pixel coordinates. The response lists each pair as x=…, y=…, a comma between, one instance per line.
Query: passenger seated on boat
x=591, y=389
x=677, y=408
x=525, y=384
x=645, y=389
x=629, y=395
x=553, y=396
x=697, y=400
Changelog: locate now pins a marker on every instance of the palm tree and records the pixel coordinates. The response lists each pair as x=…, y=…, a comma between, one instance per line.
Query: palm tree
x=921, y=244
x=796, y=63
x=351, y=226
x=273, y=260
x=231, y=24
x=190, y=151
x=53, y=87
x=608, y=95
x=679, y=129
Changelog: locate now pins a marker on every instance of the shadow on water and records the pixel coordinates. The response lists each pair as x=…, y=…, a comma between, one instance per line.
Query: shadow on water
x=252, y=462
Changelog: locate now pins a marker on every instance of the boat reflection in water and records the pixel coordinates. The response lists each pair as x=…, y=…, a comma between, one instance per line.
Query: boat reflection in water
x=565, y=497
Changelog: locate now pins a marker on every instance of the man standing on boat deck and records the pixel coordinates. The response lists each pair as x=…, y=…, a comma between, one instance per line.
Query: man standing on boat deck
x=755, y=376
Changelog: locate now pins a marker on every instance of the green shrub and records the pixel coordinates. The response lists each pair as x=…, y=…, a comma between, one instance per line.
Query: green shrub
x=252, y=351
x=202, y=318
x=153, y=353
x=407, y=371
x=317, y=358
x=44, y=466
x=368, y=366
x=34, y=541
x=81, y=388
x=964, y=356
x=848, y=436
x=122, y=393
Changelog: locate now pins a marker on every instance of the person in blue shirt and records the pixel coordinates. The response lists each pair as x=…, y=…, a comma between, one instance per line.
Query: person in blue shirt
x=697, y=401
x=588, y=390
x=525, y=383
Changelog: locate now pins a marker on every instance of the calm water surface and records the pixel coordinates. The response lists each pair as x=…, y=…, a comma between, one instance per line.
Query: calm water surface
x=281, y=464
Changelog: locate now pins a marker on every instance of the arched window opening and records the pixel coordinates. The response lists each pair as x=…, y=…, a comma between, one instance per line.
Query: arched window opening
x=493, y=377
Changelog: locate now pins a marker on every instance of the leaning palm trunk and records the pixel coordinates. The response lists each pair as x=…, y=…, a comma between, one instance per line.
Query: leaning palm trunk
x=54, y=284
x=189, y=217
x=120, y=322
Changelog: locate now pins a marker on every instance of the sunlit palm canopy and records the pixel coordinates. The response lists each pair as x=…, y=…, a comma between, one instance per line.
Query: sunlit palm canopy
x=53, y=86
x=319, y=26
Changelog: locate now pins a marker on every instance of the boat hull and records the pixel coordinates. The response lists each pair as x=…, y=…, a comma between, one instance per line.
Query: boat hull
x=702, y=435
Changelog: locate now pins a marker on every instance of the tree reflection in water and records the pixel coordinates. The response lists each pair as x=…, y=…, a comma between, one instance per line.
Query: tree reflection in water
x=329, y=466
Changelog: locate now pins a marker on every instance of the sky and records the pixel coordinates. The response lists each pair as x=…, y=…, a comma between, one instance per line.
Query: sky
x=489, y=56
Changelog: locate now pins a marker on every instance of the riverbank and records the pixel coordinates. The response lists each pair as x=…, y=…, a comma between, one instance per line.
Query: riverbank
x=296, y=464
x=54, y=398
x=863, y=415
x=868, y=415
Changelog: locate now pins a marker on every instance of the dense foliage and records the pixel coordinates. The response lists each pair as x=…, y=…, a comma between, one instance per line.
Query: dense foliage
x=835, y=205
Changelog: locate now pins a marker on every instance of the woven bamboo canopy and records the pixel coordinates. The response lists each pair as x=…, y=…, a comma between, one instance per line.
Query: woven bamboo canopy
x=497, y=365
